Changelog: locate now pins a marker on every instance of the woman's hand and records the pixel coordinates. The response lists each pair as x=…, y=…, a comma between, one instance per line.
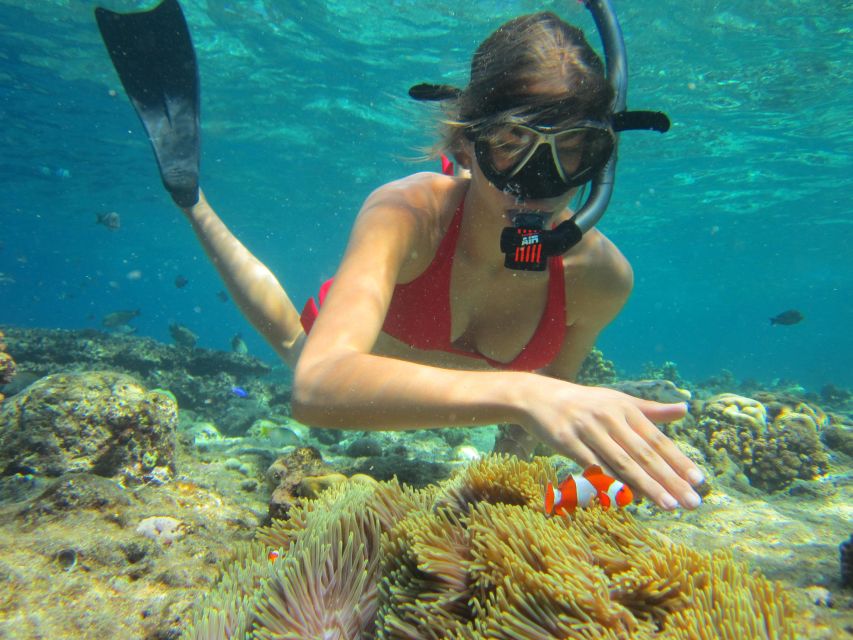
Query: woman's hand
x=594, y=425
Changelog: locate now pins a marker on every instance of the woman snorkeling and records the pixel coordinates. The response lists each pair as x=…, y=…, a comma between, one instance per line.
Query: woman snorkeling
x=425, y=325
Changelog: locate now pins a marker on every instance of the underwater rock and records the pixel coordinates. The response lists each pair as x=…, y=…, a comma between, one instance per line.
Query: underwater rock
x=102, y=422
x=657, y=390
x=76, y=491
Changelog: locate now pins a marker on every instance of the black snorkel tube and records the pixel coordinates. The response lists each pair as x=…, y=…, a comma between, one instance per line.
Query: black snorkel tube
x=617, y=75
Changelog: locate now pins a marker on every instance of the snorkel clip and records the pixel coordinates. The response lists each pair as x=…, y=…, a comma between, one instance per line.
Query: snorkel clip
x=527, y=245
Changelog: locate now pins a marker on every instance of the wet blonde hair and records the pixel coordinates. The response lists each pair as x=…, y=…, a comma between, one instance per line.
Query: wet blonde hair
x=531, y=67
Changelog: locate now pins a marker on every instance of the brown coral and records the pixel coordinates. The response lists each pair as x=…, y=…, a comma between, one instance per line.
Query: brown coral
x=596, y=369
x=772, y=450
x=463, y=561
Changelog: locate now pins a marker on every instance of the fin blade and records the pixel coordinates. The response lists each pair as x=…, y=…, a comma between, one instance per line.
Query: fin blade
x=152, y=53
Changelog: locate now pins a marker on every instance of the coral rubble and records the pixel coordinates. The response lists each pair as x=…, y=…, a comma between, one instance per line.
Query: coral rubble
x=475, y=557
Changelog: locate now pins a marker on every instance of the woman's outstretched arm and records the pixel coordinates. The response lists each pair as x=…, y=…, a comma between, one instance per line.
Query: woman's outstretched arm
x=253, y=287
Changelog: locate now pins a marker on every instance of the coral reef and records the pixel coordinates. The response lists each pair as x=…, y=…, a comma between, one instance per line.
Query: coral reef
x=772, y=449
x=475, y=557
x=667, y=371
x=7, y=365
x=596, y=369
x=201, y=379
x=102, y=422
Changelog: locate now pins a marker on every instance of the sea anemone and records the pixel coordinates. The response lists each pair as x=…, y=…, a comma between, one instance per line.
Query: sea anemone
x=467, y=560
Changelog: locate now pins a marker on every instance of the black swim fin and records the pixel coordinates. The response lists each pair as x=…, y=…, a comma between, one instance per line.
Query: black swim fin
x=154, y=57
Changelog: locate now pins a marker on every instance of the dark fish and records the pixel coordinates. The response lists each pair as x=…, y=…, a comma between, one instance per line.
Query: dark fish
x=118, y=318
x=222, y=296
x=240, y=392
x=182, y=336
x=791, y=316
x=181, y=282
x=111, y=220
x=238, y=345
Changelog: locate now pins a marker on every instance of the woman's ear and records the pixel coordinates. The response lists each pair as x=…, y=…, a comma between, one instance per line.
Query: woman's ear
x=464, y=155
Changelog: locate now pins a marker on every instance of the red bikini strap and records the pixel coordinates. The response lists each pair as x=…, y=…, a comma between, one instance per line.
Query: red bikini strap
x=446, y=165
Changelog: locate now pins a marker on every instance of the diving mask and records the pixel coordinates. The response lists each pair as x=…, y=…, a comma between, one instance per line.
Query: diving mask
x=537, y=162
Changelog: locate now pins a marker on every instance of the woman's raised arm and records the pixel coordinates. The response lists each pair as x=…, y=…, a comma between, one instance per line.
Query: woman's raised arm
x=254, y=288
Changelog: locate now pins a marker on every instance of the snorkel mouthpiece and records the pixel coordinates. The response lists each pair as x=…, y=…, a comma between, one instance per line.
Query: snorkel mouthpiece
x=526, y=245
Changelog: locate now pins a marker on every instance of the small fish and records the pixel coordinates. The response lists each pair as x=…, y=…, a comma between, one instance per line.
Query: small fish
x=273, y=555
x=111, y=220
x=238, y=345
x=791, y=316
x=181, y=282
x=222, y=296
x=240, y=392
x=117, y=318
x=182, y=336
x=579, y=490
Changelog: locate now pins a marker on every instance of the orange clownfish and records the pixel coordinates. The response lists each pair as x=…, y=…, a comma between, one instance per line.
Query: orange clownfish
x=578, y=490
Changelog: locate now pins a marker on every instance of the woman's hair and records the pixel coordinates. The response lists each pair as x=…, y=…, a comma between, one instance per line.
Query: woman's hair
x=533, y=67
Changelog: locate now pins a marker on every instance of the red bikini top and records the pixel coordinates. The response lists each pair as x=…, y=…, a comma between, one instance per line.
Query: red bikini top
x=419, y=314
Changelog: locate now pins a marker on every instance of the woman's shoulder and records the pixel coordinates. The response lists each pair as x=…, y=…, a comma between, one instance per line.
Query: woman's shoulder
x=425, y=191
x=429, y=199
x=596, y=265
x=420, y=206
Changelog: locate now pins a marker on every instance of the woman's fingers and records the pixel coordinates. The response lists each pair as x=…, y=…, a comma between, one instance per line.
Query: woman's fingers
x=661, y=412
x=659, y=458
x=628, y=462
x=667, y=449
x=640, y=455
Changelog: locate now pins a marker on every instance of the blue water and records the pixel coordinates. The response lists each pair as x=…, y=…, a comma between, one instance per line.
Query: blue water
x=740, y=212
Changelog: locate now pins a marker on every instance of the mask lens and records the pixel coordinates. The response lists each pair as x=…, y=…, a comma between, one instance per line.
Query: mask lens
x=504, y=150
x=581, y=152
x=509, y=146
